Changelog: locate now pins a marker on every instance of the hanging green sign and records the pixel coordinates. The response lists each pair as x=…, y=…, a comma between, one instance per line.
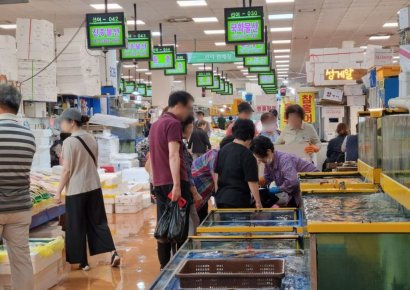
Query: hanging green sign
x=244, y=25
x=259, y=69
x=204, y=78
x=257, y=49
x=256, y=61
x=138, y=47
x=216, y=83
x=181, y=66
x=212, y=57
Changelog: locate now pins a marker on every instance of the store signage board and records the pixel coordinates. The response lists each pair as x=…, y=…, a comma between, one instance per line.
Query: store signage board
x=138, y=47
x=344, y=74
x=181, y=66
x=216, y=83
x=212, y=57
x=244, y=25
x=228, y=89
x=204, y=79
x=256, y=61
x=163, y=57
x=129, y=87
x=333, y=95
x=221, y=87
x=142, y=89
x=256, y=49
x=149, y=91
x=259, y=69
x=267, y=79
x=106, y=30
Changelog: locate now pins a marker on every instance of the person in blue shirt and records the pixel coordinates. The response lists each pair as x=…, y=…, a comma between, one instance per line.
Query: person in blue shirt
x=270, y=126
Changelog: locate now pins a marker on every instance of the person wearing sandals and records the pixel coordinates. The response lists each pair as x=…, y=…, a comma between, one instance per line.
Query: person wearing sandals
x=85, y=213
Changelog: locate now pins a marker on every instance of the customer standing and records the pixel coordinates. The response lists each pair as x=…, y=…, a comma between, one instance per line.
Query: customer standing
x=334, y=148
x=85, y=212
x=221, y=122
x=237, y=170
x=17, y=148
x=167, y=160
x=200, y=116
x=245, y=112
x=351, y=146
x=199, y=140
x=299, y=132
x=270, y=126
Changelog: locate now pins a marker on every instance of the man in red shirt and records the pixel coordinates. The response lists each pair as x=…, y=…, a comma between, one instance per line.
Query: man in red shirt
x=244, y=113
x=168, y=167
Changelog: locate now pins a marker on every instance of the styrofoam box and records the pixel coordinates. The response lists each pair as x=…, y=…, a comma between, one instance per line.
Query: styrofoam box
x=109, y=208
x=353, y=90
x=316, y=55
x=331, y=54
x=138, y=174
x=129, y=198
x=7, y=42
x=126, y=208
x=356, y=100
x=35, y=109
x=146, y=199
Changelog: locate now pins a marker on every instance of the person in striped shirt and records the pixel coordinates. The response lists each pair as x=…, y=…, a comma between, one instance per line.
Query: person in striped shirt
x=17, y=148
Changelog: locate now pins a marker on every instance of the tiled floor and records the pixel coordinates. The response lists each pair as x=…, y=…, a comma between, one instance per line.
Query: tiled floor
x=133, y=235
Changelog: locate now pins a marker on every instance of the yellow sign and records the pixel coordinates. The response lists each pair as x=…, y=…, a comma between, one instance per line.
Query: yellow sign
x=344, y=74
x=307, y=102
x=284, y=104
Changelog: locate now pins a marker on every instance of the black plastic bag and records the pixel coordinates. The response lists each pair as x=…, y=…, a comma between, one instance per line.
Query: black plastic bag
x=267, y=199
x=179, y=224
x=161, y=230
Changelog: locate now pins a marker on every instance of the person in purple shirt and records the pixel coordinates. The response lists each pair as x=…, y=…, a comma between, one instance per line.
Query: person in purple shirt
x=281, y=168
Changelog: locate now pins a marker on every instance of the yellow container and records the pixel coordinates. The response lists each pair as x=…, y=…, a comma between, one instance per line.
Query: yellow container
x=387, y=71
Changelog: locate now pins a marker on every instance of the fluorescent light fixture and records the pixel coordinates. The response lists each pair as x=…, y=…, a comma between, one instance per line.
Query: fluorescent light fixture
x=139, y=22
x=127, y=77
x=141, y=69
x=279, y=1
x=170, y=44
x=129, y=66
x=281, y=29
x=250, y=77
x=8, y=26
x=281, y=16
x=281, y=50
x=394, y=61
x=253, y=79
x=148, y=73
x=245, y=73
x=244, y=70
x=282, y=56
x=187, y=3
x=239, y=66
x=285, y=82
x=396, y=57
x=363, y=47
x=283, y=76
x=204, y=68
x=220, y=43
x=204, y=19
x=176, y=81
x=282, y=65
x=156, y=33
x=281, y=70
x=379, y=37
x=197, y=64
x=390, y=24
x=218, y=31
x=109, y=6
x=239, y=62
x=282, y=61
x=283, y=41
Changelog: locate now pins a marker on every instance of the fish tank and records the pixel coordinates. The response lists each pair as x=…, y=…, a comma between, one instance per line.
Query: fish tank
x=370, y=141
x=360, y=241
x=396, y=148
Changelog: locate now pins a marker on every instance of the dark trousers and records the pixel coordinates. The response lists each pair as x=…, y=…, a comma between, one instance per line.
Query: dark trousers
x=86, y=220
x=203, y=213
x=166, y=250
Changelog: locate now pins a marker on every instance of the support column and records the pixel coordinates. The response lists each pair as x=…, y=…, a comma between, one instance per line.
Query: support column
x=162, y=87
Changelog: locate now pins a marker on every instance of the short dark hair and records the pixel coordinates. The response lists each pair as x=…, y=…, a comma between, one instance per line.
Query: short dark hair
x=342, y=129
x=230, y=118
x=179, y=97
x=200, y=113
x=10, y=98
x=261, y=145
x=243, y=130
x=295, y=109
x=267, y=116
x=226, y=141
x=188, y=121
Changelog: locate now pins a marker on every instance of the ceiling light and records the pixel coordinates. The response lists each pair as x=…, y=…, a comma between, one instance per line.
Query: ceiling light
x=169, y=44
x=204, y=68
x=239, y=62
x=139, y=22
x=279, y=1
x=280, y=16
x=282, y=61
x=285, y=82
x=204, y=19
x=245, y=73
x=394, y=61
x=141, y=69
x=187, y=3
x=8, y=26
x=220, y=43
x=244, y=70
x=281, y=29
x=281, y=50
x=282, y=56
x=282, y=65
x=176, y=81
x=253, y=79
x=148, y=73
x=218, y=31
x=379, y=37
x=129, y=66
x=239, y=66
x=391, y=24
x=363, y=47
x=396, y=57
x=156, y=33
x=285, y=41
x=127, y=77
x=197, y=64
x=282, y=69
x=109, y=6
x=250, y=77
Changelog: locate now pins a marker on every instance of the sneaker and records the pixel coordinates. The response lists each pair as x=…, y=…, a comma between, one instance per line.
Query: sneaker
x=115, y=260
x=85, y=267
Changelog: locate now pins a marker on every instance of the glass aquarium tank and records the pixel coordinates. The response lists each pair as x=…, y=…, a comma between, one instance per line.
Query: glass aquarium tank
x=370, y=141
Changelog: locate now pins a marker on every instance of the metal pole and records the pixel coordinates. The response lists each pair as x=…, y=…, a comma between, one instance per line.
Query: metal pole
x=175, y=42
x=106, y=6
x=135, y=17
x=160, y=34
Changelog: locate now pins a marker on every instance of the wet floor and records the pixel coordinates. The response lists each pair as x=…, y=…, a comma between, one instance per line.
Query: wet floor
x=133, y=235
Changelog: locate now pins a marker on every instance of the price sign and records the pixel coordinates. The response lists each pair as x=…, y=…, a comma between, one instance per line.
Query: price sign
x=181, y=66
x=256, y=49
x=216, y=83
x=221, y=86
x=129, y=87
x=267, y=79
x=256, y=61
x=106, y=30
x=149, y=91
x=142, y=89
x=204, y=79
x=244, y=25
x=138, y=47
x=163, y=57
x=259, y=69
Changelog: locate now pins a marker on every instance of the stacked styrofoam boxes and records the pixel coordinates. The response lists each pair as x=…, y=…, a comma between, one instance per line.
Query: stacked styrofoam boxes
x=8, y=56
x=107, y=145
x=42, y=159
x=129, y=202
x=78, y=69
x=112, y=185
x=35, y=50
x=378, y=56
x=123, y=161
x=404, y=76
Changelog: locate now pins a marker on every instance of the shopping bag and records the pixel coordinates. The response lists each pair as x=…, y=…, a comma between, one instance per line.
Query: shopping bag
x=161, y=230
x=179, y=223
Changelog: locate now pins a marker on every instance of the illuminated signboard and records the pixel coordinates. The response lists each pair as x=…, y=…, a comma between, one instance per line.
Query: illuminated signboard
x=149, y=91
x=106, y=30
x=204, y=78
x=256, y=49
x=129, y=87
x=142, y=89
x=216, y=83
x=259, y=69
x=181, y=66
x=244, y=25
x=267, y=79
x=344, y=74
x=163, y=57
x=138, y=47
x=221, y=86
x=256, y=61
x=228, y=89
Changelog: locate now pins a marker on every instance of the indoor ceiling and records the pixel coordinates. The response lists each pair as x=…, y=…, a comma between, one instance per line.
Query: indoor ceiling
x=315, y=24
